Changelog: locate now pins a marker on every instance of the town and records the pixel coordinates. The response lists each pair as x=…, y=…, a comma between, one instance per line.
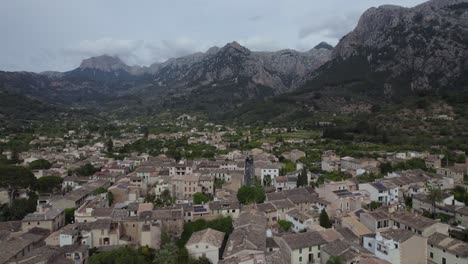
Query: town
x=211, y=193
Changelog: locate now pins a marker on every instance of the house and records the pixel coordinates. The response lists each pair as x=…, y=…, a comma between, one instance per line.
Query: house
x=181, y=168
x=77, y=254
x=301, y=248
x=14, y=248
x=45, y=217
x=77, y=197
x=375, y=221
x=225, y=208
x=455, y=172
x=247, y=241
x=359, y=166
x=442, y=249
x=280, y=183
x=418, y=224
x=271, y=170
x=422, y=202
x=330, y=161
x=461, y=216
x=171, y=220
x=342, y=198
x=397, y=246
x=301, y=220
x=294, y=155
x=384, y=192
x=205, y=243
x=351, y=221
x=73, y=181
x=349, y=253
x=185, y=186
x=68, y=236
x=102, y=232
x=378, y=221
x=433, y=162
x=125, y=191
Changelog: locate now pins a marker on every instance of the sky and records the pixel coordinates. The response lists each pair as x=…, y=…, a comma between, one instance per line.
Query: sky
x=58, y=34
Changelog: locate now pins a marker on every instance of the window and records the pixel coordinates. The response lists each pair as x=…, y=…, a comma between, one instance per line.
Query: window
x=318, y=247
x=300, y=259
x=318, y=255
x=396, y=245
x=206, y=247
x=444, y=261
x=432, y=255
x=369, y=244
x=300, y=251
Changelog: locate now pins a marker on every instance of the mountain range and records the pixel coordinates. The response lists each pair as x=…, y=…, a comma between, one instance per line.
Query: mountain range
x=393, y=54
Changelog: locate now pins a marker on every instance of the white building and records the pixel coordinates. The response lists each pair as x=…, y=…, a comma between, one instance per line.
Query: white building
x=442, y=249
x=384, y=192
x=271, y=170
x=397, y=246
x=205, y=243
x=302, y=220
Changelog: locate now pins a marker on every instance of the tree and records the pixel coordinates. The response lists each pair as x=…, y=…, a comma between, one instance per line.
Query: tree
x=40, y=164
x=165, y=199
x=69, y=215
x=435, y=196
x=16, y=177
x=251, y=194
x=374, y=205
x=302, y=178
x=335, y=260
x=267, y=180
x=14, y=159
x=110, y=145
x=167, y=255
x=120, y=255
x=18, y=208
x=110, y=197
x=86, y=170
x=285, y=225
x=49, y=184
x=100, y=190
x=324, y=219
x=199, y=198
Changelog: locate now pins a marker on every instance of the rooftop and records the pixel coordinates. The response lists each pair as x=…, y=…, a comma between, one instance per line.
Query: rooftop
x=449, y=244
x=207, y=236
x=303, y=240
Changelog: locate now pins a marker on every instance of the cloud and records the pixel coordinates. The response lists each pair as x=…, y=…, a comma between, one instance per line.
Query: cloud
x=139, y=52
x=255, y=18
x=133, y=52
x=333, y=28
x=260, y=43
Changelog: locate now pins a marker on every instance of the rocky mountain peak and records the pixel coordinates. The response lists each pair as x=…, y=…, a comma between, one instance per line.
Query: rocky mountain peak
x=428, y=41
x=324, y=45
x=235, y=47
x=104, y=63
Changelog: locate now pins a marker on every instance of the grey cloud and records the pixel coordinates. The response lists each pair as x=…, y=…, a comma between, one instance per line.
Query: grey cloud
x=255, y=18
x=335, y=27
x=133, y=52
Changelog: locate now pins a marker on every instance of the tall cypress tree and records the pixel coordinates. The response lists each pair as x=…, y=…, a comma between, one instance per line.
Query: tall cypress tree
x=324, y=219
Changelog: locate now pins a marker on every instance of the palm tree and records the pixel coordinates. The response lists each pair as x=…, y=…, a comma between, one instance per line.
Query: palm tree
x=335, y=260
x=435, y=196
